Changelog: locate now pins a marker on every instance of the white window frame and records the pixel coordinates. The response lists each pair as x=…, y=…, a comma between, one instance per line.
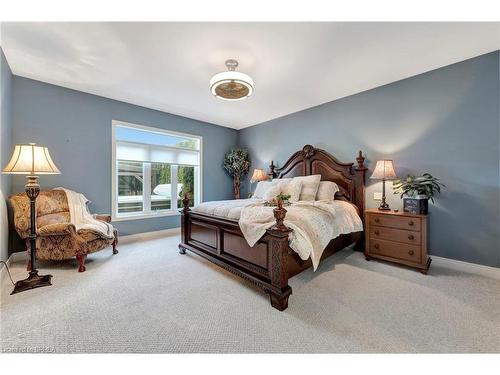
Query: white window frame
x=198, y=185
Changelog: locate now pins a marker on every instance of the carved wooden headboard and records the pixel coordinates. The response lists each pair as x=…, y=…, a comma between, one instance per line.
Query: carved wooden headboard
x=311, y=160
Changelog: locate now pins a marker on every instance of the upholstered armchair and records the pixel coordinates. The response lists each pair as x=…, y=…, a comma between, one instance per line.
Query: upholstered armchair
x=57, y=238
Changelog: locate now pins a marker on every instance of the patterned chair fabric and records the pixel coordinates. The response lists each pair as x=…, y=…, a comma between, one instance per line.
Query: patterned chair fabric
x=57, y=238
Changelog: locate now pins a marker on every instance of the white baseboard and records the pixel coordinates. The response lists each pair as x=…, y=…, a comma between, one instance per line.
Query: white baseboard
x=457, y=265
x=19, y=256
x=149, y=235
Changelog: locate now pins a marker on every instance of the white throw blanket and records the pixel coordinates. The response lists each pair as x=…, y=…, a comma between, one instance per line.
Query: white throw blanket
x=81, y=218
x=313, y=225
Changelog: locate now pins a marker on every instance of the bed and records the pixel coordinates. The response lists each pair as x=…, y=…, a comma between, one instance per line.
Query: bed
x=271, y=261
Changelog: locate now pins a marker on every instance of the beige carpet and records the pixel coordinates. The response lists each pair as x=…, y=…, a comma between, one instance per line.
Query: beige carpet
x=150, y=299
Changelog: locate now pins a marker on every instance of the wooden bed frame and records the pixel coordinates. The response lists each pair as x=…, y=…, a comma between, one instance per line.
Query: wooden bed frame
x=270, y=262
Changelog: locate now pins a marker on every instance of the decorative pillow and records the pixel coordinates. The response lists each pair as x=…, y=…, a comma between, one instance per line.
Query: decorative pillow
x=272, y=192
x=326, y=191
x=292, y=188
x=261, y=188
x=310, y=185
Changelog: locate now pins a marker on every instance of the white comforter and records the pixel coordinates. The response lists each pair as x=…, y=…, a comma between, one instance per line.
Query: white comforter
x=230, y=209
x=314, y=224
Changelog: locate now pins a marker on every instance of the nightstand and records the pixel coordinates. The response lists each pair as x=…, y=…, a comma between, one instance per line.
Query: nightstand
x=398, y=237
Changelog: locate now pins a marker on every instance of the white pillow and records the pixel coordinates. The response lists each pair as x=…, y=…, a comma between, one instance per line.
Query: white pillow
x=326, y=191
x=261, y=188
x=272, y=192
x=310, y=185
x=292, y=188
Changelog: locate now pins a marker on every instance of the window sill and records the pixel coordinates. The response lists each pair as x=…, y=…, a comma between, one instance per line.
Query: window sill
x=144, y=216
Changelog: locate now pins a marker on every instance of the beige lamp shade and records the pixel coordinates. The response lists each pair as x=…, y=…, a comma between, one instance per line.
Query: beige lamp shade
x=258, y=175
x=384, y=170
x=32, y=160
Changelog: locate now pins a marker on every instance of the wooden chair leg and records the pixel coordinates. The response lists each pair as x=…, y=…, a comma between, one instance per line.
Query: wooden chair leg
x=81, y=262
x=115, y=242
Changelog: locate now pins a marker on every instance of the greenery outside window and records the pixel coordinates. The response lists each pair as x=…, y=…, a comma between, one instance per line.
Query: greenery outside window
x=152, y=170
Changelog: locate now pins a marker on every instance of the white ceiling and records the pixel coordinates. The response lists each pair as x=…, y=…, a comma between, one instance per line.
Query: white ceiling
x=167, y=66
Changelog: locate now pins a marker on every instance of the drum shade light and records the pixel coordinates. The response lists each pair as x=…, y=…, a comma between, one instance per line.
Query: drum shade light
x=231, y=85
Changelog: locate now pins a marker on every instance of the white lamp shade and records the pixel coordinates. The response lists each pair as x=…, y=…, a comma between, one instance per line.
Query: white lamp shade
x=258, y=175
x=32, y=160
x=384, y=170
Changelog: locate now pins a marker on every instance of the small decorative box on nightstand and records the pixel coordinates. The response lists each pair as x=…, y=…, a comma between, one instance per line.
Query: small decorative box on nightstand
x=398, y=237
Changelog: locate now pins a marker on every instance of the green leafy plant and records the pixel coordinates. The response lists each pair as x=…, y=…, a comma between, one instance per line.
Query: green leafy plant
x=422, y=185
x=237, y=164
x=283, y=197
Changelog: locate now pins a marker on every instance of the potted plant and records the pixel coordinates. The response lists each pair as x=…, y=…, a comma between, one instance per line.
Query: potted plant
x=237, y=164
x=416, y=191
x=283, y=198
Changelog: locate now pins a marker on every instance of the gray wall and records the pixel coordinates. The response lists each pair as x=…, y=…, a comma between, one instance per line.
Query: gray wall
x=77, y=129
x=445, y=122
x=5, y=149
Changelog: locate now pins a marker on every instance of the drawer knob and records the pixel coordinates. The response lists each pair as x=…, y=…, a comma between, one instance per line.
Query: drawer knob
x=411, y=252
x=411, y=223
x=411, y=237
x=377, y=232
x=376, y=246
x=377, y=220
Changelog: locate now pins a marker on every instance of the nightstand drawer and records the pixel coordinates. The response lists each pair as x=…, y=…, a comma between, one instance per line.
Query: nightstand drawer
x=398, y=235
x=395, y=250
x=401, y=222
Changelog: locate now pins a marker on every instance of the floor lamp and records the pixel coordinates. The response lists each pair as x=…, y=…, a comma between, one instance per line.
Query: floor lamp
x=32, y=161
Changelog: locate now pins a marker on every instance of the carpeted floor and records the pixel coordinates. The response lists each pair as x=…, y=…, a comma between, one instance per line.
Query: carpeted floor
x=150, y=299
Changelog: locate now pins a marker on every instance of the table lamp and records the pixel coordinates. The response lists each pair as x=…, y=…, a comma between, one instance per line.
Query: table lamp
x=32, y=161
x=384, y=170
x=258, y=175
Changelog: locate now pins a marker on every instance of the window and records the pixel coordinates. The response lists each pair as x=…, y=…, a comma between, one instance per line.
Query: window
x=152, y=170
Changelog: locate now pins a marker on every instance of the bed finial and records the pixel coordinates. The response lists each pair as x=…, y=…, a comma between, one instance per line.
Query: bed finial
x=185, y=202
x=271, y=173
x=279, y=214
x=361, y=160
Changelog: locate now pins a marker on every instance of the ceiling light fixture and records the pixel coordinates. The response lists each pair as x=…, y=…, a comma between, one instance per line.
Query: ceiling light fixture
x=231, y=85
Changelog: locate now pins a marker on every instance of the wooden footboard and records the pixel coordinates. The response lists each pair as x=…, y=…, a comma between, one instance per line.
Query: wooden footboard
x=220, y=241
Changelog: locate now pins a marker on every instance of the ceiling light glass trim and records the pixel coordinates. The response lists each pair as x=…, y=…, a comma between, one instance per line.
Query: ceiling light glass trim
x=231, y=85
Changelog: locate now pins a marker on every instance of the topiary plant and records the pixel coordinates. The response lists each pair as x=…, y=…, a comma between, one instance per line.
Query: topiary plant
x=237, y=164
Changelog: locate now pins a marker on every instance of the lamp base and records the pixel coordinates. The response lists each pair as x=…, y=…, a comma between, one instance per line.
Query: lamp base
x=33, y=281
x=384, y=207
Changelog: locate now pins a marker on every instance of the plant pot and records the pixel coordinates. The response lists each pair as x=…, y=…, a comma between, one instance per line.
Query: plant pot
x=416, y=205
x=236, y=187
